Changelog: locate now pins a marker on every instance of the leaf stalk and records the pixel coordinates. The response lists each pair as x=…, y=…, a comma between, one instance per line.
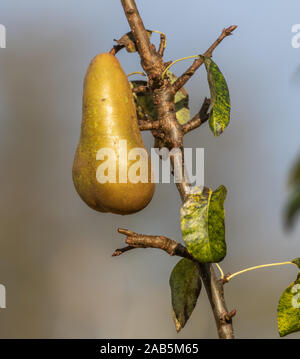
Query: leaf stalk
x=257, y=267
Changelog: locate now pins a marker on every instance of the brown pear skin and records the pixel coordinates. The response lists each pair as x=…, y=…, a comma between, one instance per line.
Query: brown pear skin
x=108, y=116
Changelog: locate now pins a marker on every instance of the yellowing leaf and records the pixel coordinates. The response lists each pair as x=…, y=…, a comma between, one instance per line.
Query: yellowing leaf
x=288, y=311
x=203, y=224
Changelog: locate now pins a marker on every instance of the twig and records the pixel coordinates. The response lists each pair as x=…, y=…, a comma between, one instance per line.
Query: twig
x=197, y=63
x=149, y=57
x=212, y=285
x=145, y=125
x=201, y=117
x=140, y=89
x=116, y=49
x=227, y=317
x=162, y=45
x=119, y=251
x=135, y=240
x=215, y=292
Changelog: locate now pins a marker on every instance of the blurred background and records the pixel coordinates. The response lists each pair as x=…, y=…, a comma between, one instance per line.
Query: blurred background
x=55, y=252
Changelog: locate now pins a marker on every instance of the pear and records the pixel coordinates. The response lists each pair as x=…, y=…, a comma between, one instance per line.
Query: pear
x=112, y=169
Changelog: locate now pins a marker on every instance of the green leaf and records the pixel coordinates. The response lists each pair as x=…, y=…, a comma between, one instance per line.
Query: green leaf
x=297, y=262
x=185, y=286
x=203, y=224
x=219, y=115
x=292, y=207
x=128, y=41
x=145, y=106
x=288, y=311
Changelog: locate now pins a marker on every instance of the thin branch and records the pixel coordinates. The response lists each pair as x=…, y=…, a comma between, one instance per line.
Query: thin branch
x=135, y=240
x=213, y=286
x=120, y=251
x=145, y=125
x=162, y=45
x=158, y=135
x=215, y=292
x=137, y=28
x=146, y=50
x=116, y=49
x=197, y=63
x=183, y=187
x=225, y=32
x=140, y=89
x=227, y=317
x=201, y=117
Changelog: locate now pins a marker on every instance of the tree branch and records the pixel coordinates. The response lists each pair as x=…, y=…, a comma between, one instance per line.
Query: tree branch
x=120, y=251
x=214, y=287
x=116, y=49
x=135, y=240
x=215, y=292
x=145, y=125
x=146, y=50
x=140, y=89
x=201, y=117
x=162, y=45
x=197, y=63
x=171, y=134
